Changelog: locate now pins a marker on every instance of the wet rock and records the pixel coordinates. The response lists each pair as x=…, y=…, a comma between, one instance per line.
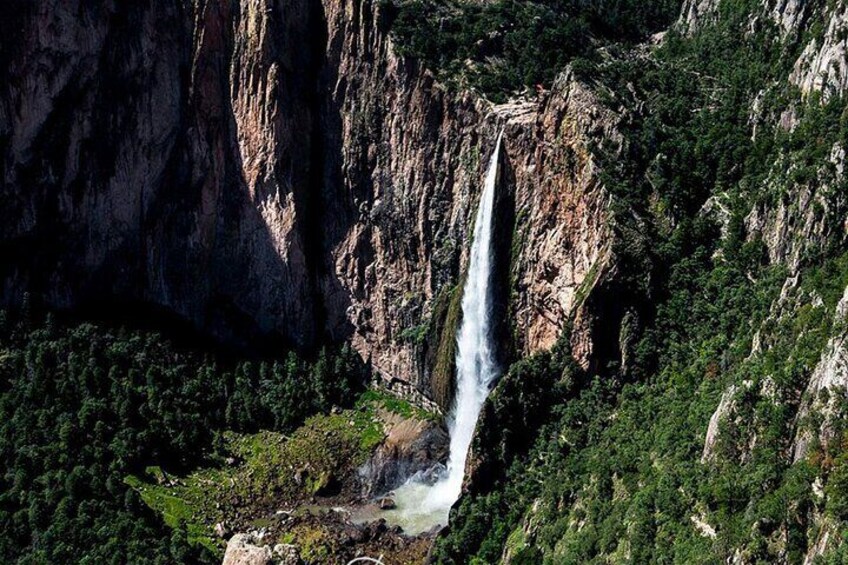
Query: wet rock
x=386, y=503
x=411, y=446
x=300, y=475
x=435, y=530
x=377, y=528
x=326, y=484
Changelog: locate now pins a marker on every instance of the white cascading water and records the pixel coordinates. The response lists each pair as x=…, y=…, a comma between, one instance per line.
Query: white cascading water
x=421, y=506
x=476, y=368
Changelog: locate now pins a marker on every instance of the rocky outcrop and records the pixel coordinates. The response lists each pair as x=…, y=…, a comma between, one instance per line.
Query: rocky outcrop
x=695, y=14
x=823, y=65
x=826, y=391
x=242, y=550
x=411, y=446
x=721, y=414
x=274, y=169
x=788, y=15
x=522, y=536
x=731, y=416
x=247, y=549
x=802, y=217
x=562, y=234
x=821, y=544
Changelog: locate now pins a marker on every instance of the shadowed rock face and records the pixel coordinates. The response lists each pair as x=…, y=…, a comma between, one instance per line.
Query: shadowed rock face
x=272, y=168
x=163, y=154
x=411, y=446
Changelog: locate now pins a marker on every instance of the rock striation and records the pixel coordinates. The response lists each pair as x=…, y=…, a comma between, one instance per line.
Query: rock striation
x=156, y=153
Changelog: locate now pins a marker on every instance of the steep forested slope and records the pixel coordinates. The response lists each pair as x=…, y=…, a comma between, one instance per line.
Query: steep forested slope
x=502, y=46
x=715, y=431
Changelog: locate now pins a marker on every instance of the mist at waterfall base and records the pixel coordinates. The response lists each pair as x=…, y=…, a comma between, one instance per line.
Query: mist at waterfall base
x=421, y=503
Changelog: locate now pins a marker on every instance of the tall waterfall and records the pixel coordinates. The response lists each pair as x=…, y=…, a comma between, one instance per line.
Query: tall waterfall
x=476, y=367
x=421, y=504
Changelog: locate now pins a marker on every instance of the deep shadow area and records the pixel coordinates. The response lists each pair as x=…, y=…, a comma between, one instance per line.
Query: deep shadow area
x=143, y=316
x=504, y=230
x=147, y=215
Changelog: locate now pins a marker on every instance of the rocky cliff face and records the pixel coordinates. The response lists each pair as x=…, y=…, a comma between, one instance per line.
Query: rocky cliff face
x=206, y=158
x=827, y=388
x=162, y=154
x=412, y=161
x=823, y=65
x=788, y=15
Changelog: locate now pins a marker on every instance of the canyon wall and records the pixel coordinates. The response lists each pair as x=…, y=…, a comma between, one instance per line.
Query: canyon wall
x=162, y=153
x=275, y=169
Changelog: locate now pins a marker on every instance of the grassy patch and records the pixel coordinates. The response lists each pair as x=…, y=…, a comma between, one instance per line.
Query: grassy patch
x=396, y=405
x=415, y=334
x=178, y=508
x=272, y=471
x=516, y=540
x=314, y=543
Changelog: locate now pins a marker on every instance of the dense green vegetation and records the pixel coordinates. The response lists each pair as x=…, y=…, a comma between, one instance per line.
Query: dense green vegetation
x=83, y=406
x=616, y=471
x=504, y=45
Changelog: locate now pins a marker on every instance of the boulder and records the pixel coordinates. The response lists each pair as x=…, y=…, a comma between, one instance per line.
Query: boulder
x=243, y=549
x=411, y=446
x=286, y=554
x=248, y=549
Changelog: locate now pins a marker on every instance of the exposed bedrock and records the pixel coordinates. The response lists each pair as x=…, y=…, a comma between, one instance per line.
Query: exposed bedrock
x=272, y=169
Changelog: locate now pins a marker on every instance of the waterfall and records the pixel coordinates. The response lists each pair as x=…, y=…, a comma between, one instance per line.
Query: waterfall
x=476, y=368
x=422, y=504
